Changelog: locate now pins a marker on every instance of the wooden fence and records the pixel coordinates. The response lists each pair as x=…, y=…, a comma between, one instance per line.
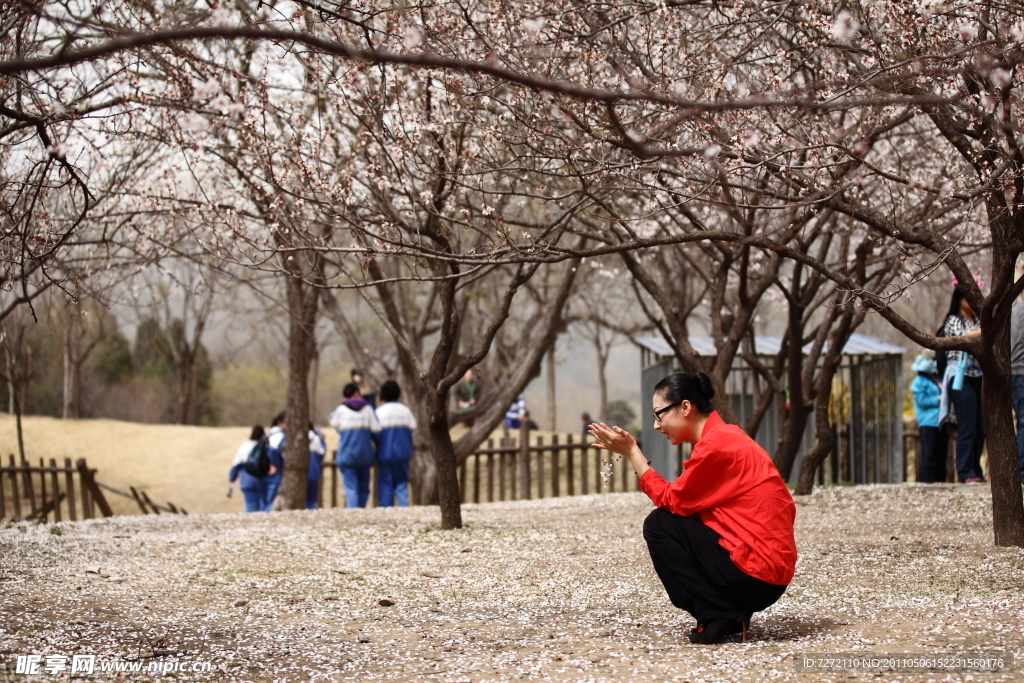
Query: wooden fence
x=39, y=493
x=517, y=468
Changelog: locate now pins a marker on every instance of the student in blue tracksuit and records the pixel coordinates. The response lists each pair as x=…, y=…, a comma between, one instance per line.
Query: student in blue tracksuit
x=357, y=431
x=275, y=451
x=394, y=447
x=252, y=487
x=317, y=448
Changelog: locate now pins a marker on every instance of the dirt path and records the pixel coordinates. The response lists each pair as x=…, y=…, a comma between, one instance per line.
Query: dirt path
x=560, y=589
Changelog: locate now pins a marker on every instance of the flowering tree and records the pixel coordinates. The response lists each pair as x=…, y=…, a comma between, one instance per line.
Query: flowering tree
x=900, y=117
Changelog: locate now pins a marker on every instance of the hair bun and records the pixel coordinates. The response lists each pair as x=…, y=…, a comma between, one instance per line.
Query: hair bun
x=706, y=387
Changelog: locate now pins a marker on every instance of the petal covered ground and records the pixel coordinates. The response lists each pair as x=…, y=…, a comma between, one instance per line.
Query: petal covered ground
x=557, y=589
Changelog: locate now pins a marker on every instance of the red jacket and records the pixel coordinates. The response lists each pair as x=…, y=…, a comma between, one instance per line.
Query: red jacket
x=733, y=487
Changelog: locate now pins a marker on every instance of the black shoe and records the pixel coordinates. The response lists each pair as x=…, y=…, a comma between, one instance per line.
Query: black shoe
x=715, y=631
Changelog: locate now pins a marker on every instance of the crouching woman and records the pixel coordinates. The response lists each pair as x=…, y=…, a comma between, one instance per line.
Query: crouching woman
x=721, y=539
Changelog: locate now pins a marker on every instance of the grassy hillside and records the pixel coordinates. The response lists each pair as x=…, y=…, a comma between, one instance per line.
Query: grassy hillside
x=185, y=465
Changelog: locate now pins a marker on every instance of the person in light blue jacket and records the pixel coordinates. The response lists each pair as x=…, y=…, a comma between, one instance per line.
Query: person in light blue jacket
x=927, y=390
x=253, y=488
x=275, y=452
x=357, y=443
x=394, y=447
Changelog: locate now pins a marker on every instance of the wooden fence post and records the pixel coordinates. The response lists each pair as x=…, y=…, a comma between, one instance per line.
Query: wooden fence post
x=584, y=474
x=597, y=471
x=334, y=486
x=56, y=489
x=29, y=489
x=138, y=499
x=570, y=475
x=149, y=502
x=490, y=471
x=513, y=469
x=69, y=483
x=502, y=466
x=524, y=461
x=42, y=509
x=373, y=502
x=15, y=495
x=320, y=489
x=94, y=491
x=540, y=466
x=476, y=478
x=555, y=469
x=463, y=484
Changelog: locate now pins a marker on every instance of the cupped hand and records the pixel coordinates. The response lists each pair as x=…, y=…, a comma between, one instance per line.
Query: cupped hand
x=614, y=439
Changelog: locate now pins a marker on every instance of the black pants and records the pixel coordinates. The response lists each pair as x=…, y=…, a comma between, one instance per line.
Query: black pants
x=699, y=575
x=934, y=447
x=970, y=428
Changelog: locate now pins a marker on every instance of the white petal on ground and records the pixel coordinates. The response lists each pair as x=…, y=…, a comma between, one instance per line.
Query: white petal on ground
x=554, y=589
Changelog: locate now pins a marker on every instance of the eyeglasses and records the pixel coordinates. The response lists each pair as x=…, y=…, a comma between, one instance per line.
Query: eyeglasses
x=661, y=411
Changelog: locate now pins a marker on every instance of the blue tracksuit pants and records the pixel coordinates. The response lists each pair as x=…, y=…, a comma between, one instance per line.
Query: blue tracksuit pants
x=356, y=481
x=253, y=499
x=392, y=484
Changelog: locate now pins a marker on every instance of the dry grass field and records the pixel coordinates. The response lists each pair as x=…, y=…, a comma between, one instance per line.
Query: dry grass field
x=185, y=465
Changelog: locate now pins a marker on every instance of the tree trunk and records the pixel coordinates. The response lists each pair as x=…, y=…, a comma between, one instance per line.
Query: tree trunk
x=825, y=441
x=796, y=417
x=449, y=494
x=825, y=437
x=602, y=382
x=302, y=309
x=1001, y=433
x=68, y=411
x=422, y=469
x=552, y=403
x=185, y=373
x=314, y=376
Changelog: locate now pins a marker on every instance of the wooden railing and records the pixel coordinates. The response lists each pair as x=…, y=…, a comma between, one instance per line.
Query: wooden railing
x=517, y=468
x=39, y=493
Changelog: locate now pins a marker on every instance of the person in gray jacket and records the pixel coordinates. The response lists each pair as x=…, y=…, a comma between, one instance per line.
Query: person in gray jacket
x=1017, y=370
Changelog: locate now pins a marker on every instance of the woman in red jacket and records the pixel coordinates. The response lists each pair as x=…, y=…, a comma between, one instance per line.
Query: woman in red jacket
x=721, y=539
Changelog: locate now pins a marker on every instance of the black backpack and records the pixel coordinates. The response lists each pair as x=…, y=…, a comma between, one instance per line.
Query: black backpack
x=940, y=356
x=258, y=462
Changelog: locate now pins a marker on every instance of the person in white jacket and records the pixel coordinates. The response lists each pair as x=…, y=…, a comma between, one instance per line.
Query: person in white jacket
x=357, y=444
x=394, y=447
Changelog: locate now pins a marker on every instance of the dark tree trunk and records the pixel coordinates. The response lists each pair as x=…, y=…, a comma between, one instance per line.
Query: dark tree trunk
x=1001, y=432
x=186, y=373
x=795, y=421
x=422, y=469
x=552, y=394
x=825, y=441
x=447, y=479
x=825, y=438
x=302, y=309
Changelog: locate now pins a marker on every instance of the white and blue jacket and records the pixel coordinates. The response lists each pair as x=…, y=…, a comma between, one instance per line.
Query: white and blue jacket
x=394, y=445
x=238, y=467
x=357, y=431
x=275, y=450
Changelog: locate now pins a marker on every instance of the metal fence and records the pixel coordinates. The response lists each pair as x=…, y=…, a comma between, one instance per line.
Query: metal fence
x=865, y=411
